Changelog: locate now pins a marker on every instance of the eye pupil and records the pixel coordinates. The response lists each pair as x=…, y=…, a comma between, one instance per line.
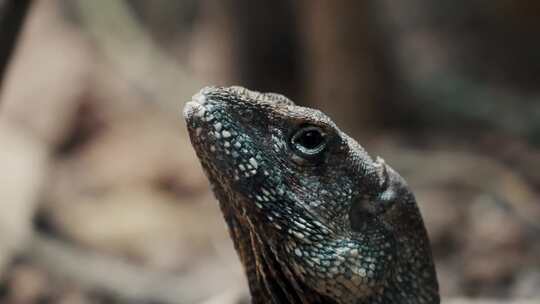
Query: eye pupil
x=309, y=141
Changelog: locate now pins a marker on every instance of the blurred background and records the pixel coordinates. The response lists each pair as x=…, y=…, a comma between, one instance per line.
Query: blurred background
x=103, y=201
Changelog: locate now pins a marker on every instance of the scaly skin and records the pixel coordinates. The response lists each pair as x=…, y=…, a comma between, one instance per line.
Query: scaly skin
x=313, y=218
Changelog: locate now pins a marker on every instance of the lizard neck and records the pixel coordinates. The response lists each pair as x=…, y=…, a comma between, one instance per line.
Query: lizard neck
x=414, y=279
x=269, y=276
x=272, y=268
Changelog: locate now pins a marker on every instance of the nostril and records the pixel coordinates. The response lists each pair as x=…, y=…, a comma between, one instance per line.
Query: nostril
x=193, y=109
x=199, y=98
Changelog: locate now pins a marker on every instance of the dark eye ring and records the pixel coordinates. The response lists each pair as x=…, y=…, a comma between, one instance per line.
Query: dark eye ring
x=309, y=141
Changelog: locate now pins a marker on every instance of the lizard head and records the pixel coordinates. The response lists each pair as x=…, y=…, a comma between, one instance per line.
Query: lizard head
x=304, y=190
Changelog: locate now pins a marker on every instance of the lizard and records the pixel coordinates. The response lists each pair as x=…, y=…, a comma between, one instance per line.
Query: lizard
x=313, y=218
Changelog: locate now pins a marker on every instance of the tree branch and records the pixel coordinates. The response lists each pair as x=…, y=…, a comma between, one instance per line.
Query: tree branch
x=12, y=15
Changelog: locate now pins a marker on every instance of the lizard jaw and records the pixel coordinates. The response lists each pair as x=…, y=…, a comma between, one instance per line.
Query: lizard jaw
x=195, y=108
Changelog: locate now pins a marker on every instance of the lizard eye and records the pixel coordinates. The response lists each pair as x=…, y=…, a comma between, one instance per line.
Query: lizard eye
x=309, y=141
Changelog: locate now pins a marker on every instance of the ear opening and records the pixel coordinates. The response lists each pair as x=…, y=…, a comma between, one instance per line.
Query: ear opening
x=361, y=215
x=365, y=210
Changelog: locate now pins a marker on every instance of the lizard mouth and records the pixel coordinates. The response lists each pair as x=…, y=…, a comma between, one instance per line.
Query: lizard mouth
x=217, y=139
x=195, y=108
x=200, y=119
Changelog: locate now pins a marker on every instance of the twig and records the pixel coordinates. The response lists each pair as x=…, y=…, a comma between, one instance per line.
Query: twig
x=95, y=271
x=12, y=16
x=133, y=54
